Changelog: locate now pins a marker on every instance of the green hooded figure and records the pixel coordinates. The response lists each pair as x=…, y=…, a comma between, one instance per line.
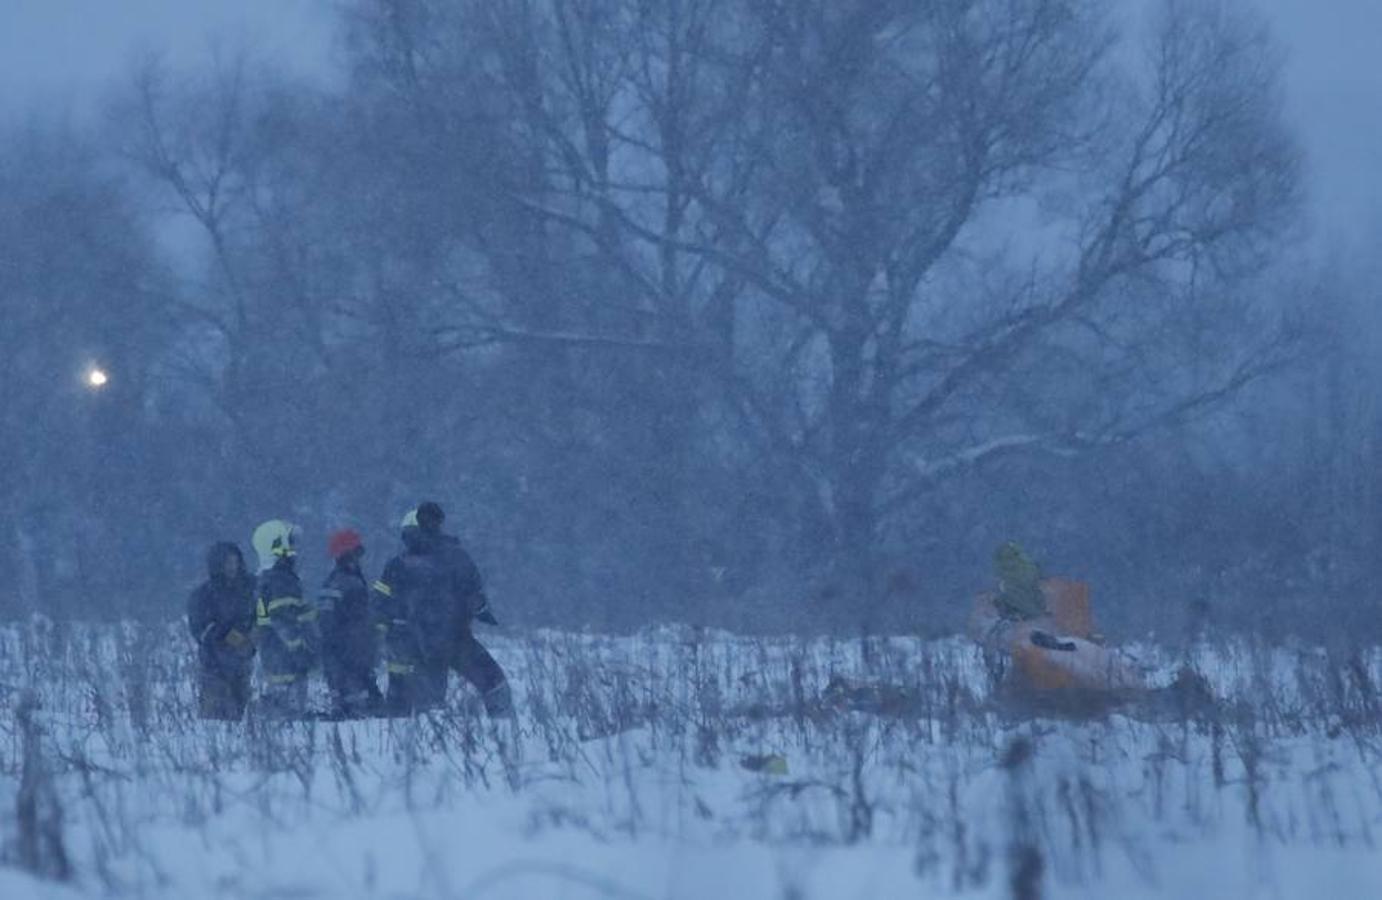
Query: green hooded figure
x=1019, y=583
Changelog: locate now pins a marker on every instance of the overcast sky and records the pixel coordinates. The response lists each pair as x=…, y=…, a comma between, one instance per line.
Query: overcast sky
x=63, y=51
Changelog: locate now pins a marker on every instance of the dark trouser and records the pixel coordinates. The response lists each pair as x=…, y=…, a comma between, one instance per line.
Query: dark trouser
x=222, y=694
x=283, y=673
x=424, y=687
x=473, y=663
x=415, y=687
x=354, y=692
x=284, y=696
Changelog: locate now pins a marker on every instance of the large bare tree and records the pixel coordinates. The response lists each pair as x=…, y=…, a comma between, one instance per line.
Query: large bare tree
x=944, y=231
x=876, y=244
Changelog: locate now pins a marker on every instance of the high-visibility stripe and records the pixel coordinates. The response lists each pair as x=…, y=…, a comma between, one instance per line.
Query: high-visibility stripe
x=395, y=668
x=309, y=616
x=383, y=588
x=294, y=643
x=281, y=602
x=330, y=592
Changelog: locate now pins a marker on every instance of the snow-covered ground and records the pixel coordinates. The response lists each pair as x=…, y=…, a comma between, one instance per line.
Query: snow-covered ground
x=647, y=770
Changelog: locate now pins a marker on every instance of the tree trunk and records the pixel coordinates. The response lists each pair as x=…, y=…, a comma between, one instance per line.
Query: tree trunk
x=855, y=470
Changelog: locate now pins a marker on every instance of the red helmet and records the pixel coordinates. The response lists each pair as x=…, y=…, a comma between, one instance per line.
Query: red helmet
x=342, y=542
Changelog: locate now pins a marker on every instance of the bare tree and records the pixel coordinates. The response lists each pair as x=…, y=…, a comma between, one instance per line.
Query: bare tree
x=889, y=144
x=879, y=244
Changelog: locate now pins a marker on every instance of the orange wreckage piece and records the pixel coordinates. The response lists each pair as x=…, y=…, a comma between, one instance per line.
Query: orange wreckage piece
x=1056, y=651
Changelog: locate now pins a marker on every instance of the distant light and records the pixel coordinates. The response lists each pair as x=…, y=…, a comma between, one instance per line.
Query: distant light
x=97, y=378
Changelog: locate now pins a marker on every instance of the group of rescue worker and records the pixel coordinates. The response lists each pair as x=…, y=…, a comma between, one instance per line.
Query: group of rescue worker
x=419, y=615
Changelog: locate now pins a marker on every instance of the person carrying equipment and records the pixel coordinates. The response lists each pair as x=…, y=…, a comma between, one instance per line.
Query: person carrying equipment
x=285, y=622
x=429, y=596
x=348, y=645
x=220, y=615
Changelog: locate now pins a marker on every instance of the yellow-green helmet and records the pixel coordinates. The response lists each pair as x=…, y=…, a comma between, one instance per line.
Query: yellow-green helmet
x=275, y=540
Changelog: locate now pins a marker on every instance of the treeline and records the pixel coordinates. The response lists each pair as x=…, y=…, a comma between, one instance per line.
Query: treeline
x=752, y=312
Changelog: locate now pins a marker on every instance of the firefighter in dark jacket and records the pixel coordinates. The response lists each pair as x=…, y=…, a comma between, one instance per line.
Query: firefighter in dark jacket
x=220, y=614
x=285, y=622
x=348, y=644
x=428, y=598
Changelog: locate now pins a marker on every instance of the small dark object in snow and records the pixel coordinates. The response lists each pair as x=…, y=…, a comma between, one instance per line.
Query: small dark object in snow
x=1018, y=753
x=1191, y=693
x=872, y=697
x=768, y=763
x=1046, y=641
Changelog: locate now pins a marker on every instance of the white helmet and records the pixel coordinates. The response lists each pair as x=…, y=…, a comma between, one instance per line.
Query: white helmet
x=274, y=540
x=410, y=520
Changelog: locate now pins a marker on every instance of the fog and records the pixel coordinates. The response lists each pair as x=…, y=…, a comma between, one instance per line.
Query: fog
x=325, y=286
x=936, y=440
x=65, y=52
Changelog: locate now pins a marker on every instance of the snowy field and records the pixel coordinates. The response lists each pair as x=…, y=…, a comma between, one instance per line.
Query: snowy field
x=689, y=764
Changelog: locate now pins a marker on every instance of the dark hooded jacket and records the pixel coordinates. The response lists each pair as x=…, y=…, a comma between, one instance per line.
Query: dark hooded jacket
x=220, y=613
x=428, y=596
x=347, y=625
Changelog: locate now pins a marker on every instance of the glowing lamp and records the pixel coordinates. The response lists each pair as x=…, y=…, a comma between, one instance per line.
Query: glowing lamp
x=96, y=378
